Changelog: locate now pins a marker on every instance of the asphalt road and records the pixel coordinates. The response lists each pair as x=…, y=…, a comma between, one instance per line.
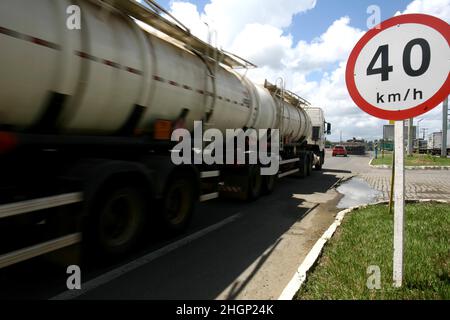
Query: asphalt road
x=233, y=250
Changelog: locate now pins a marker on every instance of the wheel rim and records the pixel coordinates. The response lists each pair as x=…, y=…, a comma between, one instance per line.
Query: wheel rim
x=177, y=203
x=119, y=220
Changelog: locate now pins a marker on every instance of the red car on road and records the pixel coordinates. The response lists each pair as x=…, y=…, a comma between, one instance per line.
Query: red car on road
x=339, y=151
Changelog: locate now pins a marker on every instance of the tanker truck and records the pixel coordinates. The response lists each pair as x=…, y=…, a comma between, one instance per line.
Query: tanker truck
x=87, y=117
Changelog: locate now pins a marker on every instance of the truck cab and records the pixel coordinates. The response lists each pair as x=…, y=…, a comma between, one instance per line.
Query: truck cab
x=320, y=128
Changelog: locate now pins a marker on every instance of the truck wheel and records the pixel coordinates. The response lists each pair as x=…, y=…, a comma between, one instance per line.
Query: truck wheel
x=254, y=183
x=308, y=165
x=319, y=165
x=119, y=219
x=303, y=166
x=178, y=204
x=269, y=184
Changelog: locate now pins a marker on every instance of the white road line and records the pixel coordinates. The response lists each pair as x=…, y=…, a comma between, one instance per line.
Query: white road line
x=113, y=274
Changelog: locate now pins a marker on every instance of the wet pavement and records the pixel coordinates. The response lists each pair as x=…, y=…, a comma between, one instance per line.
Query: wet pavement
x=357, y=192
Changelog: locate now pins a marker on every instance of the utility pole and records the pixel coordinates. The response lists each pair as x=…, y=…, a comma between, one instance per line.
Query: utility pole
x=444, y=128
x=418, y=128
x=424, y=130
x=410, y=137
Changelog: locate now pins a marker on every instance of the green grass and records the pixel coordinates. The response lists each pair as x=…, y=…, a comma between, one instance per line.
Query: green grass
x=365, y=239
x=415, y=160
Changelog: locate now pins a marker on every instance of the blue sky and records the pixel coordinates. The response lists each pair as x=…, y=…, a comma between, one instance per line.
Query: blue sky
x=314, y=22
x=311, y=24
x=307, y=45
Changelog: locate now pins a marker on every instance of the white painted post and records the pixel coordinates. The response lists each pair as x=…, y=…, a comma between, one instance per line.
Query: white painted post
x=399, y=206
x=444, y=128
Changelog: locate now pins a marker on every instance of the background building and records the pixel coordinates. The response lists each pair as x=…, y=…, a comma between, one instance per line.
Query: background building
x=387, y=142
x=388, y=132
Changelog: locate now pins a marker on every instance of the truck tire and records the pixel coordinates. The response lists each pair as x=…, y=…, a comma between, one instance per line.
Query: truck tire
x=318, y=166
x=178, y=204
x=117, y=220
x=303, y=166
x=255, y=183
x=309, y=165
x=269, y=184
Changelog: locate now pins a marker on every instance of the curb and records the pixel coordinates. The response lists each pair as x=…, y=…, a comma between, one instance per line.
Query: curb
x=385, y=166
x=311, y=258
x=342, y=180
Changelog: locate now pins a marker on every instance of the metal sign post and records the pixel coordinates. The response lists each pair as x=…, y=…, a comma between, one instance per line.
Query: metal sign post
x=444, y=128
x=395, y=72
x=399, y=202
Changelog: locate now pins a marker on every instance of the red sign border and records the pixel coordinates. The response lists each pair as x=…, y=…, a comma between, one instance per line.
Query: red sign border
x=433, y=22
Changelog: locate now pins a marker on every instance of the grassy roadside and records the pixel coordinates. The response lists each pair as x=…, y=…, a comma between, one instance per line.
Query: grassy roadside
x=415, y=160
x=365, y=239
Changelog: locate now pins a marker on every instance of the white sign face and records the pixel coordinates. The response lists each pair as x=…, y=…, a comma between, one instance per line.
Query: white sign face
x=401, y=70
x=400, y=65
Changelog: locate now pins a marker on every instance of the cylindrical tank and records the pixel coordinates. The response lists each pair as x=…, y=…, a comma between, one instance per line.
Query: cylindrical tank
x=109, y=67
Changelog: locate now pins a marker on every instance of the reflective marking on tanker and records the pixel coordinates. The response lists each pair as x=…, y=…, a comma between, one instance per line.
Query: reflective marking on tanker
x=199, y=91
x=209, y=174
x=25, y=37
x=109, y=63
x=135, y=71
x=288, y=173
x=106, y=62
x=87, y=56
x=54, y=46
x=173, y=83
x=158, y=79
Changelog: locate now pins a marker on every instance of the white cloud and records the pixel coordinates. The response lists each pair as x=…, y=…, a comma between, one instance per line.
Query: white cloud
x=231, y=16
x=332, y=46
x=256, y=30
x=188, y=14
x=437, y=8
x=263, y=44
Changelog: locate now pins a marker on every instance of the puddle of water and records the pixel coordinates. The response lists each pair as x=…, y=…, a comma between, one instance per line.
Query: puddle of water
x=356, y=192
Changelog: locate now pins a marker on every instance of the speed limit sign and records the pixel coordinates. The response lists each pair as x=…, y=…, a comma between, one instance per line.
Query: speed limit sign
x=401, y=69
x=397, y=71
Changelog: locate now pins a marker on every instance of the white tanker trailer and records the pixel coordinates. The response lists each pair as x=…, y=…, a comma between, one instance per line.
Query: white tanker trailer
x=86, y=118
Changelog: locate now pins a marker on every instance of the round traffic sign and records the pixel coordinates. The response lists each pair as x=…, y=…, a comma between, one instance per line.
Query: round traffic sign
x=400, y=69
